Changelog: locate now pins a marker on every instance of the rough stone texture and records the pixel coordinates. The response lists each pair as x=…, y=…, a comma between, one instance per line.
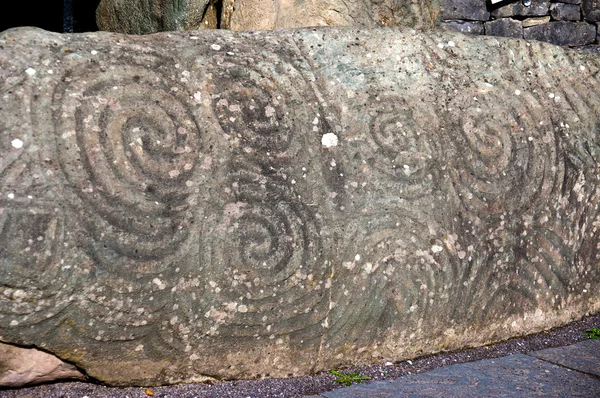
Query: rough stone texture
x=168, y=211
x=565, y=12
x=506, y=27
x=150, y=16
x=537, y=8
x=25, y=366
x=535, y=21
x=273, y=14
x=591, y=10
x=570, y=1
x=467, y=27
x=562, y=33
x=464, y=9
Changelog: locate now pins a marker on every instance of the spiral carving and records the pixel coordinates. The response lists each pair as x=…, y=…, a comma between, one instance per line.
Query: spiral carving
x=401, y=149
x=267, y=238
x=508, y=152
x=128, y=141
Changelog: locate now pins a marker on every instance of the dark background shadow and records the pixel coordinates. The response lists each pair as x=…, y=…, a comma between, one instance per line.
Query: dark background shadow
x=49, y=15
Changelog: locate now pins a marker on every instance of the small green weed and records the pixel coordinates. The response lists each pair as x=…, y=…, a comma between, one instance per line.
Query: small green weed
x=593, y=333
x=349, y=378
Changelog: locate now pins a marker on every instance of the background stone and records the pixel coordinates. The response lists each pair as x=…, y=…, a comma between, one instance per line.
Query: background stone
x=537, y=8
x=565, y=12
x=273, y=14
x=562, y=33
x=535, y=21
x=27, y=366
x=591, y=10
x=150, y=16
x=506, y=27
x=169, y=213
x=467, y=27
x=464, y=9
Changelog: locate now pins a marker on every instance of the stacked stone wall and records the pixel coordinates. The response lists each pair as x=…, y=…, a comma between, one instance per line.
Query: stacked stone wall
x=564, y=22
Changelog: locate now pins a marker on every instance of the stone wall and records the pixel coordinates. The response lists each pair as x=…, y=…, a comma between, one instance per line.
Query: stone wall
x=562, y=22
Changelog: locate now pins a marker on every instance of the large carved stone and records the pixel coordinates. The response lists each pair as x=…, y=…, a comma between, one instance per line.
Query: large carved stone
x=212, y=204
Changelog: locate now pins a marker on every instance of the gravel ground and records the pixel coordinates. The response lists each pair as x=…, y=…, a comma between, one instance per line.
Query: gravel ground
x=310, y=385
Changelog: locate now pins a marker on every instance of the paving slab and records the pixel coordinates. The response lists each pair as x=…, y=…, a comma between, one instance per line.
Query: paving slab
x=513, y=376
x=583, y=356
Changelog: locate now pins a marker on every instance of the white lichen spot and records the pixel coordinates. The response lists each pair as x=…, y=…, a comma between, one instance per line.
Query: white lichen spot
x=30, y=71
x=517, y=92
x=94, y=52
x=139, y=347
x=159, y=283
x=436, y=248
x=173, y=173
x=440, y=45
x=316, y=120
x=329, y=140
x=11, y=195
x=14, y=323
x=551, y=95
x=269, y=111
x=198, y=96
x=242, y=308
x=357, y=257
x=451, y=43
x=17, y=143
x=215, y=47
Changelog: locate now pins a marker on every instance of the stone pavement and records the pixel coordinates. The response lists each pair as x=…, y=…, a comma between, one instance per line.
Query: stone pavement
x=569, y=371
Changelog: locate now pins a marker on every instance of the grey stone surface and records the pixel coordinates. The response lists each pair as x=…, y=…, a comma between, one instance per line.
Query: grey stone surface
x=506, y=27
x=583, y=357
x=464, y=9
x=591, y=10
x=569, y=1
x=565, y=12
x=150, y=16
x=537, y=8
x=195, y=205
x=466, y=27
x=562, y=33
x=514, y=376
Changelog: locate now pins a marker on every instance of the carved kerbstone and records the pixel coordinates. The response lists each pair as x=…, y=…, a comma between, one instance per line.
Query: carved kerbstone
x=190, y=205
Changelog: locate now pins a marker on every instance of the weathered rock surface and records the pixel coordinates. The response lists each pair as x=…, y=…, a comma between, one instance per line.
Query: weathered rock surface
x=182, y=206
x=26, y=366
x=274, y=14
x=150, y=16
